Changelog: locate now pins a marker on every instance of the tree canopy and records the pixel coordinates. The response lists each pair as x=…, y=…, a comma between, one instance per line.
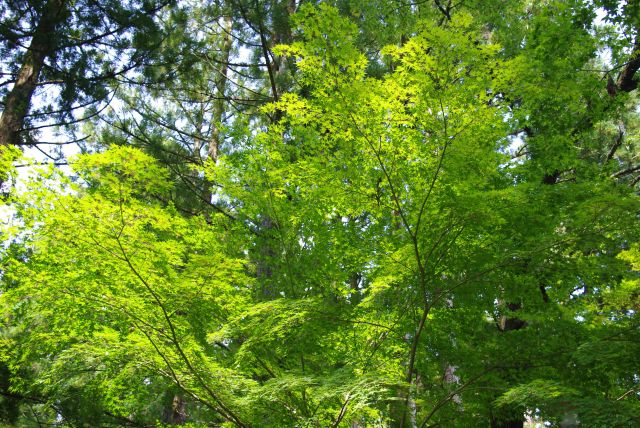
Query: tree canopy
x=321, y=214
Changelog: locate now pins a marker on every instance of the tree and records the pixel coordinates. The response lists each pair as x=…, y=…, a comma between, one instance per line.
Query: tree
x=442, y=232
x=76, y=49
x=157, y=295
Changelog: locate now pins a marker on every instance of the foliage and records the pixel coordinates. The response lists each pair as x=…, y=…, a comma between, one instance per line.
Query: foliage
x=440, y=231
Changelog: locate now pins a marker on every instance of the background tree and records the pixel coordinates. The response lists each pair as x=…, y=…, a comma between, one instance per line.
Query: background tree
x=68, y=54
x=411, y=215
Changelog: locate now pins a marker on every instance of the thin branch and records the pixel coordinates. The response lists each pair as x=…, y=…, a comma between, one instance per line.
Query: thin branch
x=447, y=142
x=74, y=121
x=451, y=395
x=343, y=411
x=617, y=143
x=55, y=143
x=221, y=407
x=631, y=391
x=626, y=171
x=444, y=9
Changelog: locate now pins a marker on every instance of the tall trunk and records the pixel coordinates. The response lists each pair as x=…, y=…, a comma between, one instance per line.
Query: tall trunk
x=505, y=324
x=176, y=413
x=269, y=37
x=219, y=104
x=221, y=85
x=17, y=102
x=511, y=323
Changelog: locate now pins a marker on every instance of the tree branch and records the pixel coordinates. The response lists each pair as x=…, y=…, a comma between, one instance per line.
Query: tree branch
x=626, y=79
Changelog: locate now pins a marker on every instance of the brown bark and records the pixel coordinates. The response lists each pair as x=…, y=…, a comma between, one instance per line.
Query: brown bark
x=18, y=101
x=627, y=80
x=176, y=414
x=215, y=138
x=221, y=85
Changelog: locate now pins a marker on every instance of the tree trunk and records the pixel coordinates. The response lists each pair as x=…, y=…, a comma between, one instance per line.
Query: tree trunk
x=176, y=414
x=505, y=324
x=221, y=85
x=17, y=102
x=512, y=423
x=215, y=137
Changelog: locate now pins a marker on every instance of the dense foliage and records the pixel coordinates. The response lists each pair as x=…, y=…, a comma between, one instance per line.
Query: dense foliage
x=322, y=214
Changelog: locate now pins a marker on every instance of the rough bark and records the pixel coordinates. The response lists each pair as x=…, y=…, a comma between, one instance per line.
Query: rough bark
x=43, y=45
x=627, y=80
x=176, y=414
x=219, y=103
x=221, y=85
